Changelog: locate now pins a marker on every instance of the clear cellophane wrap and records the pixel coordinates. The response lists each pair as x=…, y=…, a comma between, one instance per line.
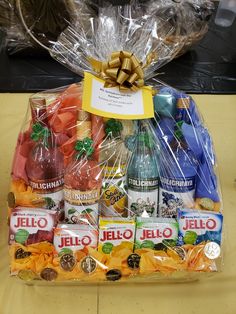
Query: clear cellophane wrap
x=97, y=199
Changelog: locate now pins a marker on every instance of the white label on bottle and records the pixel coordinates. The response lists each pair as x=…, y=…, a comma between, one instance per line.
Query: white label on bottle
x=174, y=194
x=54, y=201
x=47, y=186
x=82, y=214
x=143, y=197
x=143, y=204
x=114, y=198
x=77, y=197
x=51, y=190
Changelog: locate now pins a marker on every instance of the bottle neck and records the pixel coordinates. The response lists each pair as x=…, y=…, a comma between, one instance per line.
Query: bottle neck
x=41, y=131
x=84, y=125
x=144, y=144
x=39, y=111
x=182, y=108
x=179, y=139
x=84, y=144
x=178, y=144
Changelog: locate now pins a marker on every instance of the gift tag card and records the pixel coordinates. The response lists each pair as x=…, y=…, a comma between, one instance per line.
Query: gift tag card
x=113, y=103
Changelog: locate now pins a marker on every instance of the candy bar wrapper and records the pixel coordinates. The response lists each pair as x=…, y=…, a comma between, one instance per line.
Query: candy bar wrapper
x=115, y=178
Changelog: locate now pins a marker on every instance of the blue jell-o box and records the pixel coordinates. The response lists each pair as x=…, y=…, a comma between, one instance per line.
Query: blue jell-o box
x=196, y=226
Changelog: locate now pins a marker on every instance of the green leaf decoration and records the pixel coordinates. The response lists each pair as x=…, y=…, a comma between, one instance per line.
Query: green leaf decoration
x=35, y=137
x=113, y=127
x=87, y=211
x=49, y=201
x=71, y=211
x=37, y=127
x=21, y=236
x=178, y=130
x=79, y=145
x=87, y=143
x=84, y=147
x=40, y=132
x=65, y=251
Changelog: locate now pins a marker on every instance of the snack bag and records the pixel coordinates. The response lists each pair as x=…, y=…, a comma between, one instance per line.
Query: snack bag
x=124, y=161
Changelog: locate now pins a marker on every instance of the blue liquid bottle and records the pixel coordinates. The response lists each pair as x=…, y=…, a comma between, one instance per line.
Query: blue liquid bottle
x=178, y=169
x=143, y=176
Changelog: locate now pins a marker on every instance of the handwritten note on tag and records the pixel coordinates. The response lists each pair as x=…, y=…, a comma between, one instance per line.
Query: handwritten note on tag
x=113, y=103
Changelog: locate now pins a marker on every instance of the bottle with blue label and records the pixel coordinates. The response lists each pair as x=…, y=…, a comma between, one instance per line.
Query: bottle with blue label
x=143, y=175
x=178, y=169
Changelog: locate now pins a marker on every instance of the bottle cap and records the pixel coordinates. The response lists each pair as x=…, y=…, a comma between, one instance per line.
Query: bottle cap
x=183, y=103
x=38, y=101
x=38, y=109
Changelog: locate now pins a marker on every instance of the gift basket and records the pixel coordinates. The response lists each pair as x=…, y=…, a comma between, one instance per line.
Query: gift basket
x=114, y=178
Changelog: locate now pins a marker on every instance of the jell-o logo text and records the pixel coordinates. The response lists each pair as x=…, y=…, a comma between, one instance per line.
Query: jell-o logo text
x=75, y=241
x=193, y=224
x=156, y=234
x=116, y=235
x=31, y=222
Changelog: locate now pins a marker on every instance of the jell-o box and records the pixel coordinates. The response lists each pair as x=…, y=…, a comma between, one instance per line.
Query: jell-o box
x=156, y=233
x=196, y=226
x=32, y=225
x=69, y=237
x=114, y=232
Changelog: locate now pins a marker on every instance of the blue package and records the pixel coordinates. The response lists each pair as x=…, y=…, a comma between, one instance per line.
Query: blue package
x=165, y=130
x=164, y=104
x=206, y=186
x=196, y=226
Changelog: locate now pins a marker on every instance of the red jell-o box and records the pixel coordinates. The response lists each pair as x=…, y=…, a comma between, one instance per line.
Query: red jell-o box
x=75, y=237
x=32, y=225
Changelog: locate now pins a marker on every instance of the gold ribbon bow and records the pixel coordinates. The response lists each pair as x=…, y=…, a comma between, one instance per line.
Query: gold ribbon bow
x=123, y=70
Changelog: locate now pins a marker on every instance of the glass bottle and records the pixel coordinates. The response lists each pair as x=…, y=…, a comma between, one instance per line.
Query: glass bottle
x=114, y=157
x=178, y=168
x=83, y=177
x=45, y=163
x=143, y=176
